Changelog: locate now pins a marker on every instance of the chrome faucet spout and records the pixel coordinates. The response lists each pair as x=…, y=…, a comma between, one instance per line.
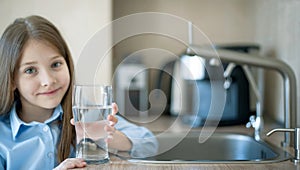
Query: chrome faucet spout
x=296, y=132
x=290, y=87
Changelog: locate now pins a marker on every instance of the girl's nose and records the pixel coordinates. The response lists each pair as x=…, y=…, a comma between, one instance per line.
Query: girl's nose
x=47, y=78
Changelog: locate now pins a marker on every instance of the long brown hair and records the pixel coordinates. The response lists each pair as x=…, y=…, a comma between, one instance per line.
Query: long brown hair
x=11, y=47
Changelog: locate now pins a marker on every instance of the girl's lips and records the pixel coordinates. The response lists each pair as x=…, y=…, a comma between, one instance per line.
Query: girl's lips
x=49, y=92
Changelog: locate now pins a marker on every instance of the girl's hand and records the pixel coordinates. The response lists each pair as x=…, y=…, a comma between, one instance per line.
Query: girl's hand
x=71, y=163
x=111, y=118
x=110, y=129
x=116, y=139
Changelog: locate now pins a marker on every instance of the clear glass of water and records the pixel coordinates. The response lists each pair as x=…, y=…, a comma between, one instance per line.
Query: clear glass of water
x=91, y=106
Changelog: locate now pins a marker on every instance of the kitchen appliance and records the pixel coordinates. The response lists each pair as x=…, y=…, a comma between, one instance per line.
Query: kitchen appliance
x=189, y=95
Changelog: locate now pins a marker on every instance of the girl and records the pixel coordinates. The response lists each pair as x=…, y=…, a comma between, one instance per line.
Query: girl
x=37, y=77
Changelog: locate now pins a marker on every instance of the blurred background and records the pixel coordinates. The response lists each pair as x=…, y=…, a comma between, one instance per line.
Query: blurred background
x=273, y=25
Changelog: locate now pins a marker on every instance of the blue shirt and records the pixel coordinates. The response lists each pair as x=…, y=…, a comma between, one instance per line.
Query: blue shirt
x=33, y=145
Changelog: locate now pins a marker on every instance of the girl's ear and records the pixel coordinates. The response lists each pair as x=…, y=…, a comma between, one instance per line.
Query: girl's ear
x=14, y=89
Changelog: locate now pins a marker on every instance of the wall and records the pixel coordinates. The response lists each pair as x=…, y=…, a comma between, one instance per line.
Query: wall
x=77, y=20
x=278, y=31
x=231, y=16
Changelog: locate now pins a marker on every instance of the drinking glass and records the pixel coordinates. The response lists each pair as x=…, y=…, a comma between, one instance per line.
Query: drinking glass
x=91, y=106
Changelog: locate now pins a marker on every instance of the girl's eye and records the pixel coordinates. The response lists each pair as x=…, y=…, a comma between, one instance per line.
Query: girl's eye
x=56, y=64
x=30, y=70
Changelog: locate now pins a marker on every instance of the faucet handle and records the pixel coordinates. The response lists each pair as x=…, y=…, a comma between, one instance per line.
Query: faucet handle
x=296, y=132
x=255, y=122
x=251, y=121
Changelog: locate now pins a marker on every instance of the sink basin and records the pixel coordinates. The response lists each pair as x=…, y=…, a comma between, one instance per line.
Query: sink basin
x=219, y=148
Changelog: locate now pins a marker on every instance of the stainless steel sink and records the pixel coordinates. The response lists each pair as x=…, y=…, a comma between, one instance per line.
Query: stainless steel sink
x=219, y=148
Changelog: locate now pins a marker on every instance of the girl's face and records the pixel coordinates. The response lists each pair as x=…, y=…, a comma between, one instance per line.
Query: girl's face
x=42, y=77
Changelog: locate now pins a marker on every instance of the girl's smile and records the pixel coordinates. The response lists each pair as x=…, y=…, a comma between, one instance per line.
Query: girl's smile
x=50, y=92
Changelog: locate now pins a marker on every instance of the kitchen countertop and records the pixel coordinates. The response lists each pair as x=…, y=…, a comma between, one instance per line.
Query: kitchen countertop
x=172, y=124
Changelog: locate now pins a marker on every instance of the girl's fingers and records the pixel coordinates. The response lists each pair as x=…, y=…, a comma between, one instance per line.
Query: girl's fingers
x=115, y=109
x=112, y=120
x=110, y=132
x=72, y=121
x=71, y=163
x=109, y=129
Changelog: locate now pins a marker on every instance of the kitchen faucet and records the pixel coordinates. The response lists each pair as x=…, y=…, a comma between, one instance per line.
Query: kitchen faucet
x=290, y=89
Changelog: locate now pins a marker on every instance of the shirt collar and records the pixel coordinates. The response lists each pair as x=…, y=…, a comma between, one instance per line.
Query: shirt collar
x=16, y=122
